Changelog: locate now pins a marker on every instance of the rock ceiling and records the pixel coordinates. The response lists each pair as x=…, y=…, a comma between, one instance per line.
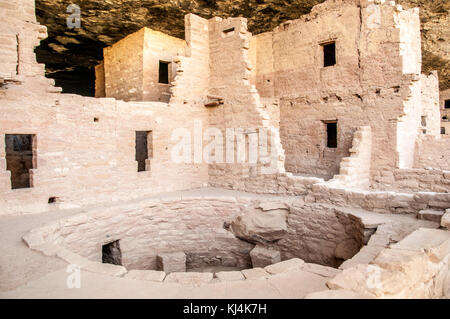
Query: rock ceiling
x=71, y=54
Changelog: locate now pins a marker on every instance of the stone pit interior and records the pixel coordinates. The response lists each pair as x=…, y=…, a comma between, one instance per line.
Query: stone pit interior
x=311, y=160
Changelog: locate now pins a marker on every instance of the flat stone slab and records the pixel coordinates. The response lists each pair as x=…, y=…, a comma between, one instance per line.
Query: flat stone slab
x=337, y=294
x=106, y=269
x=189, y=278
x=147, y=275
x=320, y=270
x=284, y=266
x=229, y=276
x=298, y=283
x=255, y=273
x=435, y=242
x=431, y=215
x=364, y=256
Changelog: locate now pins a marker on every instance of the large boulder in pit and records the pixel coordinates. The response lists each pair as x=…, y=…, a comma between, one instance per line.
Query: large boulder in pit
x=263, y=256
x=261, y=226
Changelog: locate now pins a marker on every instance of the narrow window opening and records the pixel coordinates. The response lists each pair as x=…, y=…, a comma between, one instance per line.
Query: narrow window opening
x=19, y=159
x=164, y=72
x=442, y=130
x=424, y=121
x=144, y=149
x=447, y=104
x=331, y=134
x=111, y=253
x=229, y=30
x=329, y=54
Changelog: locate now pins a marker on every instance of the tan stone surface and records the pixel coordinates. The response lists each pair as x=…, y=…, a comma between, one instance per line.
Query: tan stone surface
x=147, y=275
x=189, y=278
x=229, y=275
x=255, y=273
x=285, y=266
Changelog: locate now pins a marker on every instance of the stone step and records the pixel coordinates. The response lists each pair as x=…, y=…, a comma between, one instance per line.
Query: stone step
x=430, y=215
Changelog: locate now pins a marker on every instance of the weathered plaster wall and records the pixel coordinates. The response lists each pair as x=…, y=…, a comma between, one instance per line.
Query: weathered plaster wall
x=159, y=47
x=124, y=64
x=430, y=105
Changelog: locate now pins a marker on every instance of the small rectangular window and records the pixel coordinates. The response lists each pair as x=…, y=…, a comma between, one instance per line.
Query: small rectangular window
x=229, y=30
x=442, y=130
x=329, y=54
x=424, y=121
x=164, y=72
x=144, y=149
x=331, y=134
x=447, y=104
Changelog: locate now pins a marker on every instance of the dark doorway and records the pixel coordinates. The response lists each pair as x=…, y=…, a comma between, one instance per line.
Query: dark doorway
x=447, y=104
x=329, y=54
x=111, y=253
x=164, y=72
x=20, y=159
x=143, y=149
x=332, y=134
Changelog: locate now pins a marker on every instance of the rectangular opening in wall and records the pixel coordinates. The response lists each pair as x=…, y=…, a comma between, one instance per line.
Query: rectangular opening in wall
x=111, y=253
x=447, y=104
x=423, y=121
x=228, y=31
x=144, y=149
x=164, y=72
x=20, y=158
x=331, y=134
x=329, y=54
x=442, y=130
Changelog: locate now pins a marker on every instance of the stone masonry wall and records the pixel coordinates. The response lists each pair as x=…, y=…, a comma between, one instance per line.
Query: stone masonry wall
x=85, y=147
x=243, y=109
x=124, y=63
x=159, y=47
x=377, y=40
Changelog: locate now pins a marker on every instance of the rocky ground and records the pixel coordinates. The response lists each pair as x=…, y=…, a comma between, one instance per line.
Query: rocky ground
x=71, y=54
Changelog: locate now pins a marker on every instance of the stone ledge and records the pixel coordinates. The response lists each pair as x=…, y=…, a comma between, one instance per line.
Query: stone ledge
x=285, y=266
x=189, y=278
x=146, y=275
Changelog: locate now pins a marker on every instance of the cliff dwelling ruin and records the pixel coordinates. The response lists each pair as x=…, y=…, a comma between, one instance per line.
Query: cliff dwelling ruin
x=311, y=160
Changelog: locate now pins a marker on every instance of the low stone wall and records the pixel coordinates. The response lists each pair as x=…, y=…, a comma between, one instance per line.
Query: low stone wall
x=316, y=190
x=433, y=152
x=413, y=180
